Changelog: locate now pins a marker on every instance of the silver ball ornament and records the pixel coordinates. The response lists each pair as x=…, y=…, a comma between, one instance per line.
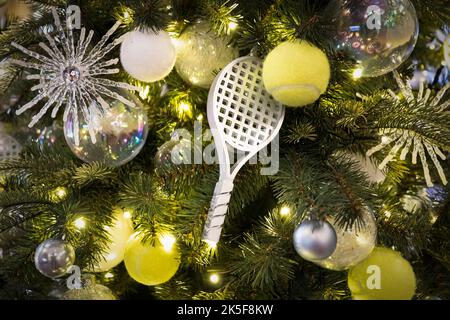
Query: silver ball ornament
x=53, y=258
x=315, y=240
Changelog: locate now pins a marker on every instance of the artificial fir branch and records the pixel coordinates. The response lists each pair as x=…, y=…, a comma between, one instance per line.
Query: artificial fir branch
x=262, y=265
x=91, y=173
x=432, y=14
x=25, y=32
x=217, y=295
x=53, y=3
x=356, y=205
x=145, y=15
x=153, y=209
x=260, y=261
x=222, y=14
x=300, y=130
x=303, y=20
x=174, y=290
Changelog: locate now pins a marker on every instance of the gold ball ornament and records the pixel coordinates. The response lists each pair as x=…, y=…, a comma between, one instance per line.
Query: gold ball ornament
x=90, y=290
x=353, y=244
x=200, y=53
x=152, y=265
x=296, y=73
x=97, y=292
x=119, y=234
x=384, y=275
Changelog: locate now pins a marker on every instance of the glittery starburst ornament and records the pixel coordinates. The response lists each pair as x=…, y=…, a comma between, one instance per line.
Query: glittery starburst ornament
x=70, y=74
x=404, y=140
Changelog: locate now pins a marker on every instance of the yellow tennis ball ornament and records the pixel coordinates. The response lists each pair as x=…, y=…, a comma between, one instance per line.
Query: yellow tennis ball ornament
x=149, y=264
x=384, y=275
x=296, y=73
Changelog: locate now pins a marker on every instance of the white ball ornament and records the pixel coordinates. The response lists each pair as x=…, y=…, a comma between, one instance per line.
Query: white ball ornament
x=148, y=56
x=119, y=234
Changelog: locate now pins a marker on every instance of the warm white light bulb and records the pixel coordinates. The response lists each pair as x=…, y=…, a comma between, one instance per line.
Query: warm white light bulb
x=285, y=211
x=167, y=242
x=232, y=25
x=127, y=214
x=80, y=223
x=59, y=193
x=211, y=244
x=357, y=73
x=184, y=106
x=214, y=278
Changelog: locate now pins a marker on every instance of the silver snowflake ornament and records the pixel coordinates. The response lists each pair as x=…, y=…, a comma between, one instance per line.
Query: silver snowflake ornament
x=70, y=75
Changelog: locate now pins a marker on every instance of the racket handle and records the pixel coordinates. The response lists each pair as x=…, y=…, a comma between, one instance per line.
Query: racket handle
x=218, y=211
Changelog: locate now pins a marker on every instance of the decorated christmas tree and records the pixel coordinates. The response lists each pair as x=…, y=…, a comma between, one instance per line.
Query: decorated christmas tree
x=224, y=149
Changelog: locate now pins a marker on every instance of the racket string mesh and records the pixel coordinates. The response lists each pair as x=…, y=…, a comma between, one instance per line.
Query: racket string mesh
x=247, y=114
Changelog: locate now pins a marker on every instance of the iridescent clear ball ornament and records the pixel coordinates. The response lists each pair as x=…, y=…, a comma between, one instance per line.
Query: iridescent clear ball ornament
x=121, y=133
x=354, y=244
x=48, y=136
x=173, y=152
x=201, y=53
x=379, y=34
x=54, y=257
x=314, y=240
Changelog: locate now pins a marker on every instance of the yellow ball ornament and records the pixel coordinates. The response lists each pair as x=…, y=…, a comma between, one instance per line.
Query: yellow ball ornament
x=296, y=73
x=384, y=275
x=152, y=265
x=119, y=233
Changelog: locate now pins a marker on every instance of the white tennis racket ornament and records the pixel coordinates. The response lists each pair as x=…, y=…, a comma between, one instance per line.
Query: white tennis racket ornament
x=243, y=115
